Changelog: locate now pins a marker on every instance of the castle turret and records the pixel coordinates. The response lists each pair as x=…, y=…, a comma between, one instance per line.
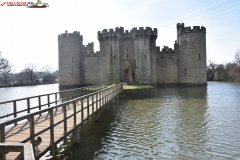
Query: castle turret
x=192, y=55
x=69, y=53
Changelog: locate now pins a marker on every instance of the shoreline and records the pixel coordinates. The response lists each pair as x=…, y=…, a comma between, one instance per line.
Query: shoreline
x=23, y=85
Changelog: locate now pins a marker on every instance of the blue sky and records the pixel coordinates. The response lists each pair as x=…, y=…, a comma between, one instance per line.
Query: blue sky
x=30, y=35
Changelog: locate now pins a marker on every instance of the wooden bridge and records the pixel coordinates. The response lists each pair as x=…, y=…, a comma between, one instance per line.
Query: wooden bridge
x=69, y=110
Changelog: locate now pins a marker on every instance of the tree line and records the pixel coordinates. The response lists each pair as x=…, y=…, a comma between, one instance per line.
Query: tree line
x=228, y=72
x=29, y=75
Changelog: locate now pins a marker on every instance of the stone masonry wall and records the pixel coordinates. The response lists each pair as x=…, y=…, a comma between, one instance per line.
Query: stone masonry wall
x=167, y=66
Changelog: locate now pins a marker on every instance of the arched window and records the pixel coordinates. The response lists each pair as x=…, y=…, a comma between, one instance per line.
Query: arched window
x=199, y=56
x=114, y=57
x=145, y=56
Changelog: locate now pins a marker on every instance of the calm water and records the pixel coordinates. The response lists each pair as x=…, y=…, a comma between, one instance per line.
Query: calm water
x=11, y=93
x=180, y=123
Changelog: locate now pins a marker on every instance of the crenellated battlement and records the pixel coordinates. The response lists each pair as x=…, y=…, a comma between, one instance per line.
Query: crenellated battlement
x=88, y=51
x=157, y=49
x=111, y=31
x=119, y=32
x=167, y=50
x=148, y=31
x=75, y=34
x=181, y=29
x=110, y=34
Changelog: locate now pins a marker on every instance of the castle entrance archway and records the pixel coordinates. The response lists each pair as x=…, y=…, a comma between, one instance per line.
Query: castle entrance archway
x=126, y=77
x=133, y=77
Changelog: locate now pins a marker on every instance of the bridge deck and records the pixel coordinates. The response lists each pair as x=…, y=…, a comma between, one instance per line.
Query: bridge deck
x=22, y=130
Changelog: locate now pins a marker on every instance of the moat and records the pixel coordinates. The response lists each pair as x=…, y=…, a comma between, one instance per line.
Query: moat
x=179, y=123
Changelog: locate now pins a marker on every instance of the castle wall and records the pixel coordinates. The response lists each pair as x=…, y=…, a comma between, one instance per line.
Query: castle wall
x=91, y=70
x=91, y=65
x=69, y=53
x=167, y=66
x=192, y=55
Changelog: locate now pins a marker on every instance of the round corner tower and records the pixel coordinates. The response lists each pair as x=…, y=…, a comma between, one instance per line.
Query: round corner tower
x=69, y=55
x=192, y=55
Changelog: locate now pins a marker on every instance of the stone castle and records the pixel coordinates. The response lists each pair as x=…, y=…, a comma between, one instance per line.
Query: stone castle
x=133, y=57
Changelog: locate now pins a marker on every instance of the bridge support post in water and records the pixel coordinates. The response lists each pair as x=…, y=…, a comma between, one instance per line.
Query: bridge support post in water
x=76, y=136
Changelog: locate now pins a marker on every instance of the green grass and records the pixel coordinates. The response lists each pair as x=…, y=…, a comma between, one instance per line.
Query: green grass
x=137, y=86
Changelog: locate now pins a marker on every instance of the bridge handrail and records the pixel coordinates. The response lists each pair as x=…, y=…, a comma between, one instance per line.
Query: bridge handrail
x=103, y=94
x=23, y=117
x=29, y=108
x=41, y=95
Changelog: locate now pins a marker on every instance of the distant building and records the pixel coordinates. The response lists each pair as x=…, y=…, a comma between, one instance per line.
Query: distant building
x=132, y=56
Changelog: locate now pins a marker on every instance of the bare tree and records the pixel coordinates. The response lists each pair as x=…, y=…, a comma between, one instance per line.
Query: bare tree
x=211, y=69
x=30, y=74
x=237, y=57
x=212, y=65
x=49, y=76
x=4, y=63
x=6, y=75
x=6, y=71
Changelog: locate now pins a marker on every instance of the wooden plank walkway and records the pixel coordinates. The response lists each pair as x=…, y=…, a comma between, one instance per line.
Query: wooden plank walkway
x=90, y=104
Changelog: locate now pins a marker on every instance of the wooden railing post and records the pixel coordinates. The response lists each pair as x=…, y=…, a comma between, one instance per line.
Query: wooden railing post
x=2, y=140
x=52, y=144
x=97, y=111
x=15, y=111
x=74, y=112
x=100, y=100
x=65, y=123
x=48, y=98
x=92, y=105
x=108, y=97
x=56, y=98
x=82, y=114
x=103, y=96
x=39, y=104
x=32, y=133
x=88, y=109
x=62, y=96
x=28, y=105
x=2, y=134
x=76, y=135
